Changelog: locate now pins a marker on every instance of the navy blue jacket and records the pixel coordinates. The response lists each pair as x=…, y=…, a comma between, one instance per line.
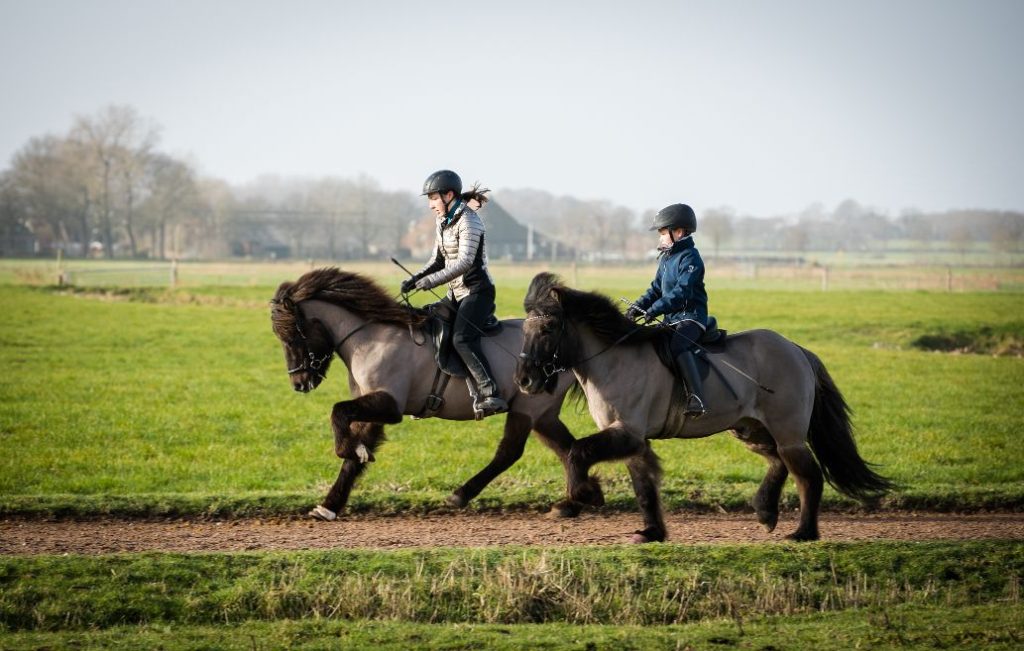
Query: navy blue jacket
x=678, y=287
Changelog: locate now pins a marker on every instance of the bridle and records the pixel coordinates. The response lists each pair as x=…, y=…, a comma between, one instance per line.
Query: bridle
x=314, y=363
x=552, y=367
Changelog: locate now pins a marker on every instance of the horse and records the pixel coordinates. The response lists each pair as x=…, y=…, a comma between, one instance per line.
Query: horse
x=782, y=403
x=329, y=311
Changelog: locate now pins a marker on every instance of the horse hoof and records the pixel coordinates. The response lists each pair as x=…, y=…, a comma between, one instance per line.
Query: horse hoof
x=565, y=509
x=638, y=539
x=648, y=535
x=455, y=501
x=768, y=520
x=800, y=536
x=323, y=513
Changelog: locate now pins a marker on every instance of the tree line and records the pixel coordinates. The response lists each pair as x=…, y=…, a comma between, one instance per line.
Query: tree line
x=104, y=188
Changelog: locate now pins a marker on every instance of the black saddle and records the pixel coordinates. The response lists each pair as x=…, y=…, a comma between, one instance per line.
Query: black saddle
x=439, y=330
x=714, y=339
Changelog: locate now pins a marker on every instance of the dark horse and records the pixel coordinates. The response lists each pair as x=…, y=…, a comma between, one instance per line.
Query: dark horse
x=390, y=374
x=786, y=401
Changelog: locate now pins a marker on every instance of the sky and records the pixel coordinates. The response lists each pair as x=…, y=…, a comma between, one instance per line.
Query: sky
x=762, y=106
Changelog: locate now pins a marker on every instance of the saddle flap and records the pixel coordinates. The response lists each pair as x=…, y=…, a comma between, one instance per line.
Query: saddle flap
x=440, y=328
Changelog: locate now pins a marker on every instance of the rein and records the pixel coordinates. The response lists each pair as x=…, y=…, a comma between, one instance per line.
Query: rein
x=316, y=364
x=551, y=368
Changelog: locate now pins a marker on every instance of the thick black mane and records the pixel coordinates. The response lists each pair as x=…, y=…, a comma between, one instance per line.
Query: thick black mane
x=352, y=291
x=547, y=295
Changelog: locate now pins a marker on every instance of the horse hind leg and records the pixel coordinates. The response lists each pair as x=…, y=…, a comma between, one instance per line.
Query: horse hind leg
x=809, y=483
x=645, y=473
x=766, y=500
x=510, y=449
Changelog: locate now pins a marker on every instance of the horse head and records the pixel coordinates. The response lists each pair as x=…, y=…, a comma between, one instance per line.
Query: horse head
x=544, y=334
x=308, y=346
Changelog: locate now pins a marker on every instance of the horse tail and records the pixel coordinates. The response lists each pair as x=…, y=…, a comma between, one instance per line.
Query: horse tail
x=831, y=439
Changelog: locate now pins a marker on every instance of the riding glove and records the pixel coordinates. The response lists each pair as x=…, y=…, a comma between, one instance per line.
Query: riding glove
x=634, y=313
x=408, y=284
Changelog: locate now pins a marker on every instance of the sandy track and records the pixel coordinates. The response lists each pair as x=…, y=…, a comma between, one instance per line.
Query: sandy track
x=473, y=530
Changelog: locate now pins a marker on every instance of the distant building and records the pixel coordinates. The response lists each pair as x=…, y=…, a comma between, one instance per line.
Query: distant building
x=507, y=239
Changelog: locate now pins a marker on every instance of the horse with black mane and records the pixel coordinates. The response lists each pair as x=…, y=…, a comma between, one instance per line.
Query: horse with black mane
x=390, y=374
x=784, y=401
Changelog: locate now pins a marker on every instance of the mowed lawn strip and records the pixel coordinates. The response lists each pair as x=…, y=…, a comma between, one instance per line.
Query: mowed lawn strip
x=161, y=402
x=997, y=627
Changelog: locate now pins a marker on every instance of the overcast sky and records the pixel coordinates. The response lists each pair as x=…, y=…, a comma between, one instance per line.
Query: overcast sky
x=762, y=106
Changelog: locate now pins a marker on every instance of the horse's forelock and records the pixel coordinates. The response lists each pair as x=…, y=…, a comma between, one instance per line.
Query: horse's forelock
x=543, y=293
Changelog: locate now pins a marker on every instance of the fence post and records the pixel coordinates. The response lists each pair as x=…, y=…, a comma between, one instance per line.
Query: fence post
x=824, y=279
x=949, y=279
x=174, y=273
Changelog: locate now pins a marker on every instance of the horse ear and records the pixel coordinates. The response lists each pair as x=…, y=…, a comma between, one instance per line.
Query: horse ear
x=288, y=303
x=556, y=295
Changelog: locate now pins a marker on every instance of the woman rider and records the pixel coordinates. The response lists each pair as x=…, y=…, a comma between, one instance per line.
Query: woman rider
x=460, y=260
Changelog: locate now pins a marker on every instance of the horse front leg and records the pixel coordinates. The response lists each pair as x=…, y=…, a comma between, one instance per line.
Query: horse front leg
x=645, y=473
x=510, y=449
x=358, y=445
x=556, y=436
x=606, y=445
x=337, y=498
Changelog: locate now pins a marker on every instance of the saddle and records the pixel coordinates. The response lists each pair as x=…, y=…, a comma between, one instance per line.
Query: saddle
x=713, y=339
x=438, y=331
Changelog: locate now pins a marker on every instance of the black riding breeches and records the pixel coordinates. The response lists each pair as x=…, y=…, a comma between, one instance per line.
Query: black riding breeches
x=686, y=336
x=473, y=313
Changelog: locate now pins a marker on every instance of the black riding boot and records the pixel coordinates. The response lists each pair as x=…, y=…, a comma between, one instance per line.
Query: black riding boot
x=473, y=312
x=486, y=400
x=687, y=365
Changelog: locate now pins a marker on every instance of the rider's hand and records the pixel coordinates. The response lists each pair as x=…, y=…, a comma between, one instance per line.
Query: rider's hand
x=634, y=313
x=649, y=317
x=423, y=284
x=408, y=284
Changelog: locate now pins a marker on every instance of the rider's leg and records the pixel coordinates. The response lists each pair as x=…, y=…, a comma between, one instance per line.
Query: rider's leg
x=683, y=340
x=473, y=313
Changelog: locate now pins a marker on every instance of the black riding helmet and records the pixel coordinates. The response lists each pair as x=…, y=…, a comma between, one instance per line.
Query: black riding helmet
x=678, y=215
x=443, y=181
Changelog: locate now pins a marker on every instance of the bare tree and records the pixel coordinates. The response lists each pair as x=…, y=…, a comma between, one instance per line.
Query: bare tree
x=1006, y=235
x=173, y=197
x=961, y=239
x=717, y=224
x=116, y=139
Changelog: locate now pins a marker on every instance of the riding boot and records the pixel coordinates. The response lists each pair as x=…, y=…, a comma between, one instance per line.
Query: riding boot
x=487, y=401
x=687, y=365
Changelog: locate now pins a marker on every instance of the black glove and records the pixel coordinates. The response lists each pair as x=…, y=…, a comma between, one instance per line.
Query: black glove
x=409, y=284
x=634, y=313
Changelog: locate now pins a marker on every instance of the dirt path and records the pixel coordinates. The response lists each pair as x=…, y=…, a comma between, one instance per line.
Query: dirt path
x=473, y=530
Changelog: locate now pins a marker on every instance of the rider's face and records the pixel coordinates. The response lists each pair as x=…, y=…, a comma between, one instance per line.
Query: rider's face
x=437, y=202
x=665, y=236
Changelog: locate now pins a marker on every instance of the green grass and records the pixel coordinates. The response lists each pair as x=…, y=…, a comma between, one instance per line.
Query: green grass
x=161, y=402
x=993, y=627
x=623, y=585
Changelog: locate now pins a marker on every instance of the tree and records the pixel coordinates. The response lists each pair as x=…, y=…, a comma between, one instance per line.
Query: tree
x=1006, y=235
x=717, y=225
x=116, y=141
x=172, y=198
x=961, y=239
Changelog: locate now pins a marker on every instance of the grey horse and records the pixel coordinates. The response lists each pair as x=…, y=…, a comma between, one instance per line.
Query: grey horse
x=786, y=402
x=390, y=374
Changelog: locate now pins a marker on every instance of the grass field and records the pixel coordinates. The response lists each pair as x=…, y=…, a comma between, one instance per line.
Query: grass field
x=156, y=401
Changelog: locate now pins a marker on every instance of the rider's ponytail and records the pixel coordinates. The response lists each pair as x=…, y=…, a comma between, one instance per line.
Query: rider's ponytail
x=476, y=192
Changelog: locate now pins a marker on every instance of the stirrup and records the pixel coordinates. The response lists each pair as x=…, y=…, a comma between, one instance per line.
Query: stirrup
x=694, y=411
x=481, y=408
